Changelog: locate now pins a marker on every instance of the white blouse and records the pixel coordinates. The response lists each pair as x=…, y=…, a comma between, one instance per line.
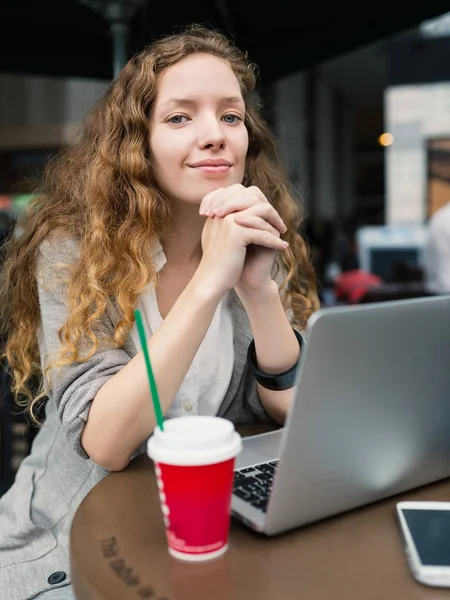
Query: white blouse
x=209, y=375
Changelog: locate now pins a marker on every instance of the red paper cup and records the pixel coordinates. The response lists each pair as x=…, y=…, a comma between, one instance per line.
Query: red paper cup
x=194, y=460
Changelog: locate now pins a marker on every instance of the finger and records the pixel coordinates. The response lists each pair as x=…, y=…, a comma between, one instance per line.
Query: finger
x=217, y=197
x=267, y=212
x=207, y=199
x=255, y=222
x=239, y=200
x=263, y=238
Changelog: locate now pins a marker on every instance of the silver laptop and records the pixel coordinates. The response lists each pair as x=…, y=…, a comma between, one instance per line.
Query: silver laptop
x=370, y=418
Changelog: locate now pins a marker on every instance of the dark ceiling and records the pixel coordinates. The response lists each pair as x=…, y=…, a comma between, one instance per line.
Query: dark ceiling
x=67, y=38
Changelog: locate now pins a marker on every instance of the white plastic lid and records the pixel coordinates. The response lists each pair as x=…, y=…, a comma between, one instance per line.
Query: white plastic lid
x=195, y=440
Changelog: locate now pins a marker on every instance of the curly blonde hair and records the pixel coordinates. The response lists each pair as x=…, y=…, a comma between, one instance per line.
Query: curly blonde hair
x=101, y=191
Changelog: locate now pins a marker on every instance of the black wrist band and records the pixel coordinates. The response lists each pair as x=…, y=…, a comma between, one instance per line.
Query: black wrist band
x=275, y=381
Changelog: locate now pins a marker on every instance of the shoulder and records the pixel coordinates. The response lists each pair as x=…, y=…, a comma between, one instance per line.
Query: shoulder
x=440, y=221
x=55, y=258
x=59, y=247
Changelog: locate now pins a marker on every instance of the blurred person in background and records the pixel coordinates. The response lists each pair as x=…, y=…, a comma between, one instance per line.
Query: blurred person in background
x=353, y=283
x=437, y=252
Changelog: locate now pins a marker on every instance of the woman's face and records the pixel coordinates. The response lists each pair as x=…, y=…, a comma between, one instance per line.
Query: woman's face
x=198, y=139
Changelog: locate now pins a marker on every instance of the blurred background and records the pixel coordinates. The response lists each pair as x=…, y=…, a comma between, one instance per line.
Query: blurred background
x=359, y=99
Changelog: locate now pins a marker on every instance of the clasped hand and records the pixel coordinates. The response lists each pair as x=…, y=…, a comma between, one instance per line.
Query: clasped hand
x=240, y=238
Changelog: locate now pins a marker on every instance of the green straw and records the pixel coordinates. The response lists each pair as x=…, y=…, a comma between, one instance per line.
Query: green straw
x=151, y=377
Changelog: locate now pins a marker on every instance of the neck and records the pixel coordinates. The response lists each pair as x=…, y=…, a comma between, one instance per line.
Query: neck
x=182, y=244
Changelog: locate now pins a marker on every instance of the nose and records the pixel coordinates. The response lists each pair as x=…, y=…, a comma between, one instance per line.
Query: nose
x=211, y=134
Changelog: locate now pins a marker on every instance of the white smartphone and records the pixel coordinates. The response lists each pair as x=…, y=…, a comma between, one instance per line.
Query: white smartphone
x=425, y=528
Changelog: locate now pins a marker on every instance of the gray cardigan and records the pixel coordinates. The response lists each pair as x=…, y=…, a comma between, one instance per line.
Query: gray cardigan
x=36, y=513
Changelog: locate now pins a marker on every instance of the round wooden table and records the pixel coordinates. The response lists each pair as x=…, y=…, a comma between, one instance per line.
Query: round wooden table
x=118, y=551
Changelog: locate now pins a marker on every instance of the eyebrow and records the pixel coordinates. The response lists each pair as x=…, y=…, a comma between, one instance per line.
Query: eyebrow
x=191, y=102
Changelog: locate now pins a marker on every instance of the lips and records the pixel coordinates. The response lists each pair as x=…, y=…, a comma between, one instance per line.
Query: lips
x=211, y=162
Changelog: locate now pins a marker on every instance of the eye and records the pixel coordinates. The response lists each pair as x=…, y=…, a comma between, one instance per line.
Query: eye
x=176, y=119
x=231, y=118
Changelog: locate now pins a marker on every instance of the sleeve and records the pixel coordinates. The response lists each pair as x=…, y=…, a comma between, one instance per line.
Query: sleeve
x=437, y=252
x=72, y=387
x=246, y=406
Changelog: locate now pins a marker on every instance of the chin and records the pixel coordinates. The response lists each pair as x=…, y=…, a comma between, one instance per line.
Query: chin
x=216, y=184
x=196, y=195
x=198, y=192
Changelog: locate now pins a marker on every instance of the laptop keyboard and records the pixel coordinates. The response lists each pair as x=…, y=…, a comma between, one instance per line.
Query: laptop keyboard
x=254, y=484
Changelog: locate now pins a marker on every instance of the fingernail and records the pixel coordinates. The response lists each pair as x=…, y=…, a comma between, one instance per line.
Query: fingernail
x=285, y=244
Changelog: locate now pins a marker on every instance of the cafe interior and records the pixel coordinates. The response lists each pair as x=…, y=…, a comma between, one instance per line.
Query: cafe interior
x=359, y=101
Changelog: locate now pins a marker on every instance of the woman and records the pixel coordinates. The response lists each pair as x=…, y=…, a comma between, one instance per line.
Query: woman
x=172, y=200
